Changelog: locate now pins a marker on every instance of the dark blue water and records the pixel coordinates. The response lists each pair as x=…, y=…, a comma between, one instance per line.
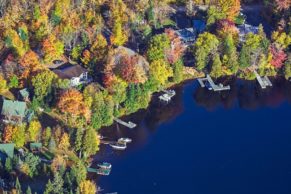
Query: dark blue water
x=235, y=142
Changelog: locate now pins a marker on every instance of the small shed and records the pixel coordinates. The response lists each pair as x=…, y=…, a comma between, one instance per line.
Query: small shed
x=6, y=150
x=24, y=94
x=13, y=111
x=35, y=146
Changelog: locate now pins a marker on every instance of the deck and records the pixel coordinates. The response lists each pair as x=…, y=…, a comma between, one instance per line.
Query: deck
x=167, y=96
x=211, y=85
x=263, y=81
x=129, y=124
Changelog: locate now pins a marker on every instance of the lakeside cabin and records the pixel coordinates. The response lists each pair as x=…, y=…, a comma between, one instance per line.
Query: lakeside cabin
x=189, y=35
x=76, y=74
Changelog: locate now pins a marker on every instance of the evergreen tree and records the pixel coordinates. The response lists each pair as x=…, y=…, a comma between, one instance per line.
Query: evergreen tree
x=178, y=71
x=52, y=144
x=244, y=58
x=78, y=139
x=28, y=190
x=230, y=54
x=8, y=164
x=18, y=186
x=216, y=67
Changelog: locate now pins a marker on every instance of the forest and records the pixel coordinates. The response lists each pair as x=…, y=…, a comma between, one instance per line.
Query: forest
x=69, y=67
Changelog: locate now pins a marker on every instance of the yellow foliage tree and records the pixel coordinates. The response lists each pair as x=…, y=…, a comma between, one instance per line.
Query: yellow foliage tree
x=87, y=187
x=34, y=130
x=65, y=142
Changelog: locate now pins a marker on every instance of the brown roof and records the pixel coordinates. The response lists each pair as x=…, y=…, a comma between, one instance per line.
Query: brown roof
x=69, y=71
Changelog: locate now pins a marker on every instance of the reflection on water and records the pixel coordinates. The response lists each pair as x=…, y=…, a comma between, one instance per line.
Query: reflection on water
x=143, y=154
x=246, y=95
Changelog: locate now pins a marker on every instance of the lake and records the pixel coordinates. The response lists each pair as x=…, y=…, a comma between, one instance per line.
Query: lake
x=234, y=142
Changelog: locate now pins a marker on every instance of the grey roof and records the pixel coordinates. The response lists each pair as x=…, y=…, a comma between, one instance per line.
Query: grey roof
x=13, y=108
x=246, y=28
x=69, y=71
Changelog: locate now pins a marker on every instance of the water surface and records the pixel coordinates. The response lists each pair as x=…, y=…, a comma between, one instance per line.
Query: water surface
x=234, y=142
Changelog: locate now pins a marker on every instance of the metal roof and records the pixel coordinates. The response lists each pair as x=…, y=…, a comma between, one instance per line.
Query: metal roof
x=13, y=108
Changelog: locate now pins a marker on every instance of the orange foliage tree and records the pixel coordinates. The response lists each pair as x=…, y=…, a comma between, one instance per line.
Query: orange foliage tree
x=71, y=101
x=30, y=64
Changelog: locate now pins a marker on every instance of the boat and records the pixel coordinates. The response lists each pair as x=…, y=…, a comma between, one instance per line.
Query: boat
x=118, y=146
x=124, y=140
x=103, y=171
x=105, y=165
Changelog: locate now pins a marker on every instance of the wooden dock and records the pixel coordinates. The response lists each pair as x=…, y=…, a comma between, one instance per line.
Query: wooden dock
x=167, y=96
x=207, y=81
x=129, y=124
x=263, y=81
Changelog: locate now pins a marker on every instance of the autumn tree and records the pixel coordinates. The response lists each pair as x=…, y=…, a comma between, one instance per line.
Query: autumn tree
x=30, y=64
x=216, y=67
x=158, y=46
x=119, y=35
x=3, y=84
x=90, y=142
x=42, y=84
x=230, y=56
x=13, y=40
x=87, y=187
x=52, y=49
x=65, y=142
x=160, y=71
x=71, y=102
x=205, y=45
x=33, y=130
x=278, y=56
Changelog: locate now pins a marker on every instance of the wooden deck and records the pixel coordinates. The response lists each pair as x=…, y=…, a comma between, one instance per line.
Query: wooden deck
x=129, y=124
x=211, y=85
x=263, y=81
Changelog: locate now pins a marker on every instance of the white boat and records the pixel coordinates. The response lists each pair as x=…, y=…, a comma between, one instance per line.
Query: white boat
x=118, y=146
x=105, y=165
x=124, y=140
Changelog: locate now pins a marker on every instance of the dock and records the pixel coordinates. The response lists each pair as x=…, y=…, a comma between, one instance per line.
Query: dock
x=167, y=96
x=129, y=124
x=99, y=171
x=207, y=81
x=263, y=81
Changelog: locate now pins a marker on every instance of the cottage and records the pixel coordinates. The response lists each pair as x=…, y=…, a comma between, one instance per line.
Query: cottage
x=76, y=74
x=13, y=111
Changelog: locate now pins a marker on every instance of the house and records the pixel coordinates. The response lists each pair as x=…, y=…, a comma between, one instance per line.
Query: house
x=199, y=26
x=187, y=35
x=76, y=74
x=13, y=111
x=245, y=29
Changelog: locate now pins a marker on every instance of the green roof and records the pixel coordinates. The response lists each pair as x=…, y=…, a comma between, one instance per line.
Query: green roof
x=13, y=108
x=7, y=148
x=35, y=145
x=24, y=93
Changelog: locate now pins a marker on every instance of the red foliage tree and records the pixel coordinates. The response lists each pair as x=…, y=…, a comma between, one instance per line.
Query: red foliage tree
x=279, y=56
x=177, y=46
x=127, y=69
x=283, y=4
x=226, y=26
